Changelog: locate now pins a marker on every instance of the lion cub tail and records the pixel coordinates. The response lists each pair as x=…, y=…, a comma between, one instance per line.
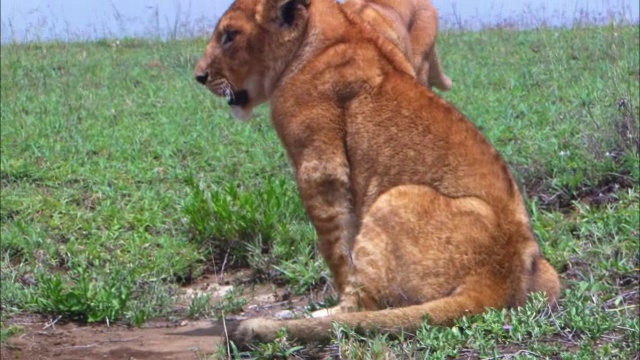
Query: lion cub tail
x=394, y=320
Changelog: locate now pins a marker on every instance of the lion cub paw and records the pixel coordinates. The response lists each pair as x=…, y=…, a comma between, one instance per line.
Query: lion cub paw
x=257, y=329
x=342, y=308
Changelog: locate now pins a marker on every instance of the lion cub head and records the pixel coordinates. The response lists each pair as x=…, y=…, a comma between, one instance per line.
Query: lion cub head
x=251, y=46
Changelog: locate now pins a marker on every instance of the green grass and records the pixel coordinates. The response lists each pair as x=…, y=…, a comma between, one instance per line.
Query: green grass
x=122, y=179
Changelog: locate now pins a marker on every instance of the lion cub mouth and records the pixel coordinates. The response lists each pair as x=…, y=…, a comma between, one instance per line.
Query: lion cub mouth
x=238, y=98
x=223, y=88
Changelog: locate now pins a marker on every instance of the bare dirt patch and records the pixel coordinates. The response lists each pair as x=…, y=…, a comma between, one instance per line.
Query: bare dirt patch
x=40, y=339
x=70, y=341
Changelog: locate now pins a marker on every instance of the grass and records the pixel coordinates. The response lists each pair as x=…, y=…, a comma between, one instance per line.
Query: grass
x=123, y=180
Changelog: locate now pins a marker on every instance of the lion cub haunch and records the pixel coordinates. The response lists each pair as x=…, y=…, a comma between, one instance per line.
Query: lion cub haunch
x=411, y=25
x=417, y=215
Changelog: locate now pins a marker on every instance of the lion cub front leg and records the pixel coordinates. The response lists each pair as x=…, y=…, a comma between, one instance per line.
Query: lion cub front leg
x=324, y=188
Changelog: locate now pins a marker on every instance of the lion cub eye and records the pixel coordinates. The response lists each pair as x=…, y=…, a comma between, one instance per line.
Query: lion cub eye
x=228, y=36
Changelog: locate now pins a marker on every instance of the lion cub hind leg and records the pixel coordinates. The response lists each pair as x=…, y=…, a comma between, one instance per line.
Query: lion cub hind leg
x=436, y=73
x=423, y=255
x=416, y=245
x=546, y=280
x=424, y=33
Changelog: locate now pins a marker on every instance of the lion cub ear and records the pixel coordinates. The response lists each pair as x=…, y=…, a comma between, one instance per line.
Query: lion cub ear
x=288, y=10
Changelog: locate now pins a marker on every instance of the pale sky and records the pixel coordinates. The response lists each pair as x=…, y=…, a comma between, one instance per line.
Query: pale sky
x=46, y=19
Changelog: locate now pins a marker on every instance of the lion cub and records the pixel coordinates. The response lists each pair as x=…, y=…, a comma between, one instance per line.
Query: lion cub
x=412, y=25
x=417, y=214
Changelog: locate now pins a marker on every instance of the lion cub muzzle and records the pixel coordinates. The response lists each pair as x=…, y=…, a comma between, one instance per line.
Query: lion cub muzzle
x=223, y=89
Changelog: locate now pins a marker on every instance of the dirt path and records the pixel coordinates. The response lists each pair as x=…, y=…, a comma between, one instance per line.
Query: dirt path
x=38, y=339
x=193, y=340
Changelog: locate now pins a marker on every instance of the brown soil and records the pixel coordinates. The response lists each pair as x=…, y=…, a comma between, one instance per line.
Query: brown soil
x=74, y=342
x=39, y=339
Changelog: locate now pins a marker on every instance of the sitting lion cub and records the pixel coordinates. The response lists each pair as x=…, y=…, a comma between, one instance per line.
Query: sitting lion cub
x=412, y=25
x=417, y=215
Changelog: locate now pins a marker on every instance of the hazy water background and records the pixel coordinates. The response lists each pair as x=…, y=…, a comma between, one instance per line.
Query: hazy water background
x=29, y=20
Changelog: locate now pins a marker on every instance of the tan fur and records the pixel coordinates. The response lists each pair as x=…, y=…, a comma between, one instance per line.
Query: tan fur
x=417, y=215
x=412, y=25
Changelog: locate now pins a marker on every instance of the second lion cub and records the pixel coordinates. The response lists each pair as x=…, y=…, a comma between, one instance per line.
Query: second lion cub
x=411, y=25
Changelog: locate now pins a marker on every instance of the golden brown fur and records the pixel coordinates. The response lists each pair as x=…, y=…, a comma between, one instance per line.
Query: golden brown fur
x=412, y=25
x=416, y=213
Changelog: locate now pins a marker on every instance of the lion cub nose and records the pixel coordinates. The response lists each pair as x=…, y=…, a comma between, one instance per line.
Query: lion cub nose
x=202, y=78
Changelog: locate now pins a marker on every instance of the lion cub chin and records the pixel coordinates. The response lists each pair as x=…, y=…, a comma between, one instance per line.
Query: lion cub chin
x=241, y=113
x=417, y=215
